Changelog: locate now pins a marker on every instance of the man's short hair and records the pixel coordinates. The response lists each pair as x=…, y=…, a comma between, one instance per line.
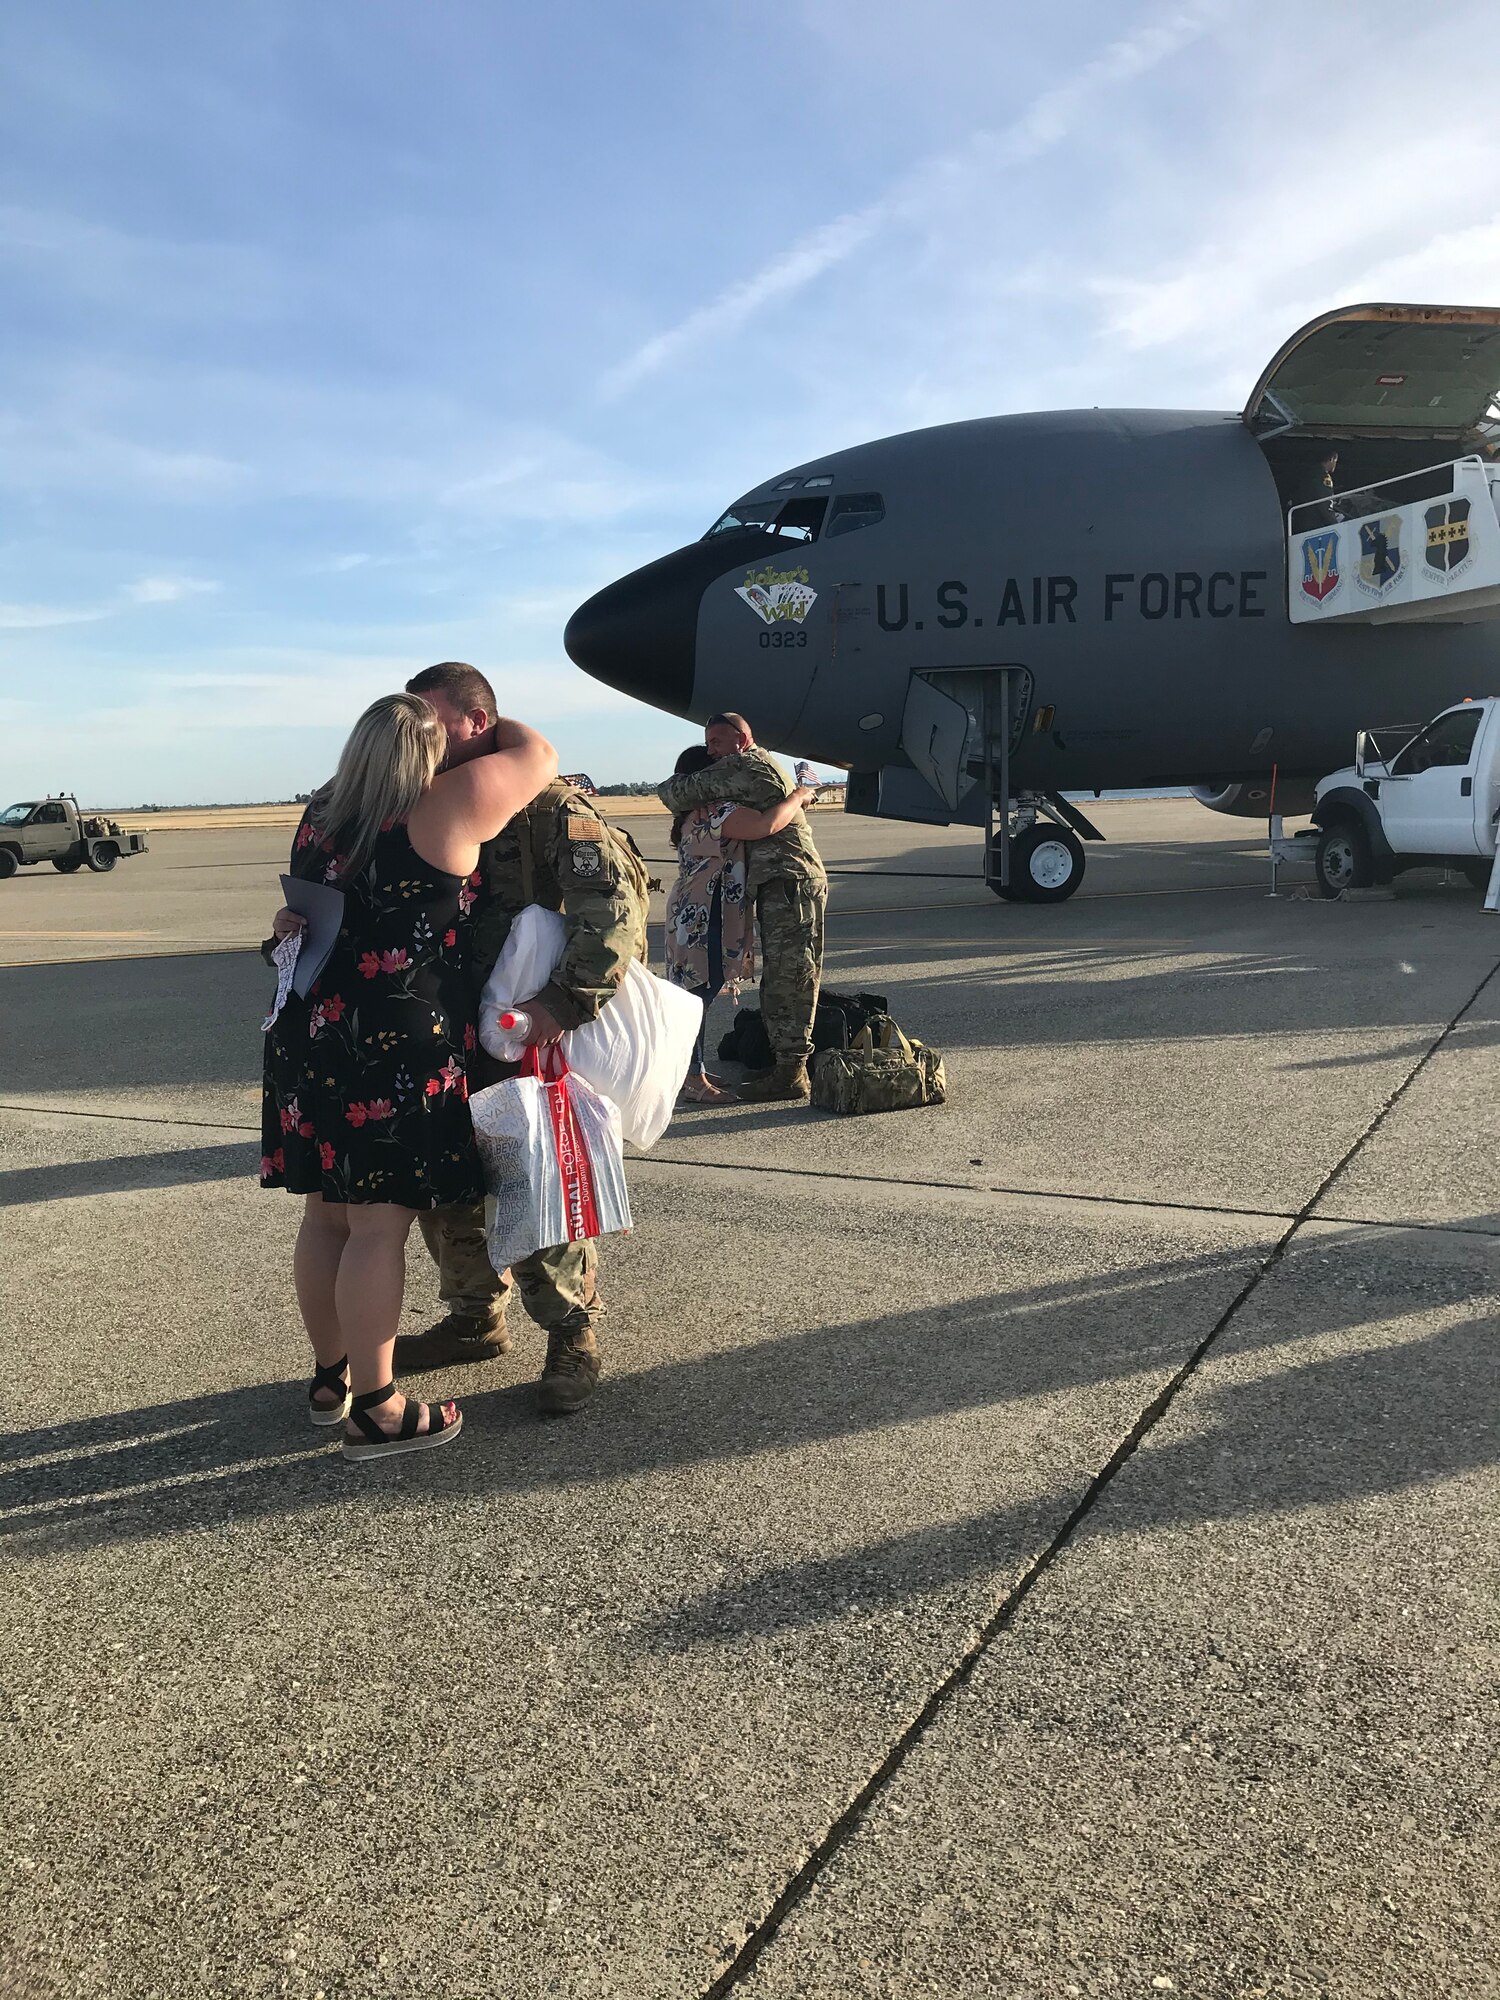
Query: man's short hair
x=458, y=682
x=732, y=721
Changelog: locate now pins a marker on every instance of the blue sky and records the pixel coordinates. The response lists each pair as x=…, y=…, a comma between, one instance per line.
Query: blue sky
x=343, y=338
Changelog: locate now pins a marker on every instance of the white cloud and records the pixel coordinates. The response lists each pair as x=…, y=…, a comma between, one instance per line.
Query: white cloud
x=1255, y=251
x=145, y=590
x=56, y=450
x=138, y=274
x=168, y=589
x=1047, y=121
x=293, y=688
x=1255, y=272
x=545, y=476
x=267, y=722
x=789, y=272
x=1058, y=111
x=1192, y=228
x=35, y=617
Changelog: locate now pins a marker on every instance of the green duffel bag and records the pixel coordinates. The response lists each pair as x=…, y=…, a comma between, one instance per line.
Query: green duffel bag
x=896, y=1074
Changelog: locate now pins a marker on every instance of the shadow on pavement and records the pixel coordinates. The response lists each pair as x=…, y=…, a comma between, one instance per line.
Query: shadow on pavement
x=248, y=1453
x=129, y=1171
x=122, y=1024
x=184, y=1023
x=1413, y=1418
x=1312, y=1434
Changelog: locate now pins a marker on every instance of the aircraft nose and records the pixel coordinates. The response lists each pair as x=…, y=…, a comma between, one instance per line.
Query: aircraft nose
x=640, y=635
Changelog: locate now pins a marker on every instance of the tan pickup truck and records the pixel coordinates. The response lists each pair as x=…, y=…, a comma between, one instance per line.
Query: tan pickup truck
x=55, y=830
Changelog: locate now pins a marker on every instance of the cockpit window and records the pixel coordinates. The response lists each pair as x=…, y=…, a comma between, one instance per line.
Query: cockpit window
x=786, y=520
x=801, y=519
x=855, y=510
x=756, y=514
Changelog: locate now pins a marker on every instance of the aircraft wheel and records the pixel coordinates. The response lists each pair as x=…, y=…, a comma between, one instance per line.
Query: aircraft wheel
x=1046, y=865
x=8, y=864
x=68, y=865
x=1343, y=859
x=1478, y=873
x=103, y=857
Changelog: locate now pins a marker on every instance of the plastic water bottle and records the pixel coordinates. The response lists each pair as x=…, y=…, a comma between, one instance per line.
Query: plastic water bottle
x=515, y=1025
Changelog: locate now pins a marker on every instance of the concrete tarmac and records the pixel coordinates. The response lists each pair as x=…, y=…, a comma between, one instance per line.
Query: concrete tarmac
x=1044, y=1545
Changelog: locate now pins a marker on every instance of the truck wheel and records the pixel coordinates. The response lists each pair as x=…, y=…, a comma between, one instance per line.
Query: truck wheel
x=1343, y=860
x=69, y=864
x=8, y=863
x=1046, y=865
x=103, y=857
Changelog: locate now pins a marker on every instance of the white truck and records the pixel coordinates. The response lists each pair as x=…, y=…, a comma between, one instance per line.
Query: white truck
x=1413, y=798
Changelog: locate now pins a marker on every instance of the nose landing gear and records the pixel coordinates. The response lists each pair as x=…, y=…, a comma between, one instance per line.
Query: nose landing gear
x=1032, y=855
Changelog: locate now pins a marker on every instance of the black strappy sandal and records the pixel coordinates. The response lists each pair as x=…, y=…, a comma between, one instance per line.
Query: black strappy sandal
x=444, y=1423
x=332, y=1379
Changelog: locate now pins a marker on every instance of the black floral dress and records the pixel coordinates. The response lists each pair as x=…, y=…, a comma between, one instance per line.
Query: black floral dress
x=365, y=1096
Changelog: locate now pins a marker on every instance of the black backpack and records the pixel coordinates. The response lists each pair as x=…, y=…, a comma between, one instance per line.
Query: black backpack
x=839, y=1019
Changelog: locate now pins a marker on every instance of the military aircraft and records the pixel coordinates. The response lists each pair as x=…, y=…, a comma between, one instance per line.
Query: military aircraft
x=981, y=617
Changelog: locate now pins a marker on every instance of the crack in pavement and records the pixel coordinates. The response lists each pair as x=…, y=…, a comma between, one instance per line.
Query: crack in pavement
x=1030, y=1193
x=973, y=1187
x=848, y=1823
x=129, y=1117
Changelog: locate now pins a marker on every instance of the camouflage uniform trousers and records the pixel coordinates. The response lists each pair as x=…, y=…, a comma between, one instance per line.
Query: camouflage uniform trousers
x=559, y=1287
x=791, y=911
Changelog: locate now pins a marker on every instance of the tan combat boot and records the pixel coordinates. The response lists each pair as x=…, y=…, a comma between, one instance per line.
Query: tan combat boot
x=784, y=1083
x=460, y=1338
x=571, y=1370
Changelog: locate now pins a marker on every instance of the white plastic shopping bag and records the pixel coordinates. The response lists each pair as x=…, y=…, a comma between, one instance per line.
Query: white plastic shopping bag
x=636, y=1053
x=553, y=1161
x=638, y=1050
x=528, y=958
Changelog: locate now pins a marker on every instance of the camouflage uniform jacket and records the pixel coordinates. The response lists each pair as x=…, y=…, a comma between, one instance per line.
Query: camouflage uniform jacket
x=562, y=853
x=751, y=778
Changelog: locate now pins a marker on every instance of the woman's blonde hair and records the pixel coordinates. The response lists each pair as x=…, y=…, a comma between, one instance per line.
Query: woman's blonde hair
x=392, y=756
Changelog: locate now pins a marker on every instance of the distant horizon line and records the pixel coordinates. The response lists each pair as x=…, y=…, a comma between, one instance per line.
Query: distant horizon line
x=626, y=788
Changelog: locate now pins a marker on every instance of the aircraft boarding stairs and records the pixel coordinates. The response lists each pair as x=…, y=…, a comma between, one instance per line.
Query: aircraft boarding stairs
x=961, y=730
x=1424, y=547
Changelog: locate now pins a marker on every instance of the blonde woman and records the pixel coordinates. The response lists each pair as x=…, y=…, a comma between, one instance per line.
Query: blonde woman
x=365, y=1102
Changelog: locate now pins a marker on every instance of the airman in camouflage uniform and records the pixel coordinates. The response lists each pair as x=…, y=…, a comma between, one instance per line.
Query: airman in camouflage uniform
x=562, y=853
x=788, y=885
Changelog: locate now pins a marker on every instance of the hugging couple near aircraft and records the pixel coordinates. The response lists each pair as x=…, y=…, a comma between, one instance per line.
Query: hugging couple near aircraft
x=744, y=847
x=442, y=822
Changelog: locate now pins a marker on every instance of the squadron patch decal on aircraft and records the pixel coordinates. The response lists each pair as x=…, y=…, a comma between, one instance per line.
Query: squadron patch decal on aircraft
x=1382, y=560
x=1448, y=549
x=1320, y=565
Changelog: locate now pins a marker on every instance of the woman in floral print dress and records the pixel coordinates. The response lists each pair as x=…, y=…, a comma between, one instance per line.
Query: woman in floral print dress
x=365, y=1104
x=710, y=929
